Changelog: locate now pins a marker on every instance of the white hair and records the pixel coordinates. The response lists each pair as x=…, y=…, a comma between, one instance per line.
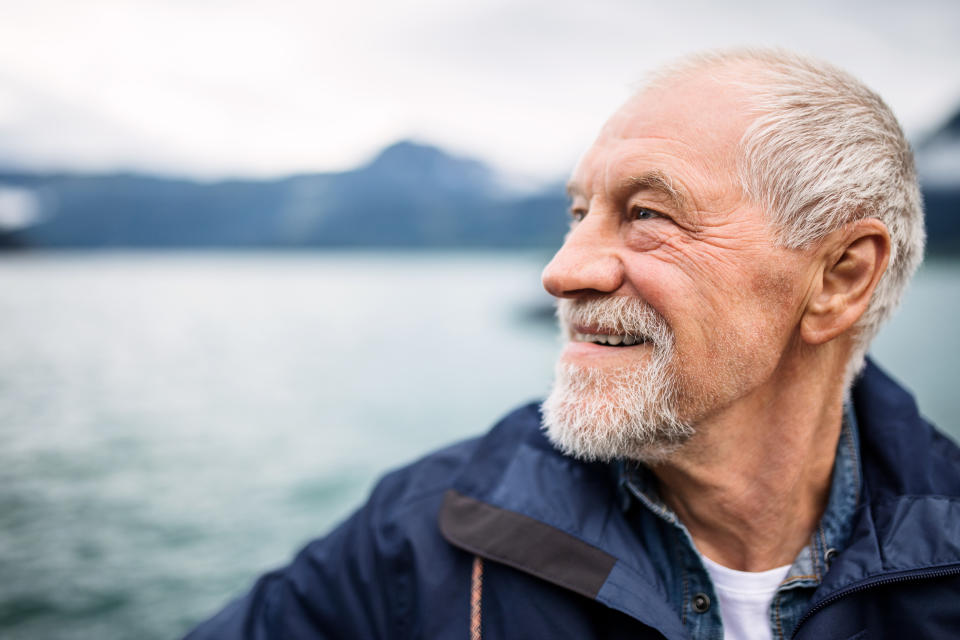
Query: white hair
x=628, y=412
x=823, y=151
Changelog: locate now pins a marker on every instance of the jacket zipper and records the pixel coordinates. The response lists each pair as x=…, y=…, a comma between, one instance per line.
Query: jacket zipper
x=916, y=575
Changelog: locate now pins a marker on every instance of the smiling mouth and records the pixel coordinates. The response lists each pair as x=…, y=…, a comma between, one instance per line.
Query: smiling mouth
x=609, y=340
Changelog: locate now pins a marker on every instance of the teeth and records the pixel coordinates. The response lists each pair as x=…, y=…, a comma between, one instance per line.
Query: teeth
x=613, y=340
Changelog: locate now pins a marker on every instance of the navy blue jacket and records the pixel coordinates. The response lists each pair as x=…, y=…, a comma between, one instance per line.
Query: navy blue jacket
x=560, y=559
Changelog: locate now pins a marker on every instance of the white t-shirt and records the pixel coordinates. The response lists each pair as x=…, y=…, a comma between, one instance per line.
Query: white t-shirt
x=745, y=598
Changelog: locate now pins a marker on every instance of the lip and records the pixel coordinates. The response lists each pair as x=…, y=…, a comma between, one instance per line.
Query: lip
x=589, y=352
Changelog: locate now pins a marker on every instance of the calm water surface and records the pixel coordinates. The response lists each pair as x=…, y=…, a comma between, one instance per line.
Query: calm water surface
x=171, y=425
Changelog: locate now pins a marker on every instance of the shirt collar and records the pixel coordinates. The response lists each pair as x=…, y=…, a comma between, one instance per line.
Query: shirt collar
x=638, y=484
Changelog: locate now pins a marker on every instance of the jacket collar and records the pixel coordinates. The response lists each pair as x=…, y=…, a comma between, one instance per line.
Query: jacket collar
x=521, y=503
x=908, y=519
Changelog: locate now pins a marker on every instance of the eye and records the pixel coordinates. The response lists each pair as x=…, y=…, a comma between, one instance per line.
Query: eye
x=578, y=214
x=643, y=213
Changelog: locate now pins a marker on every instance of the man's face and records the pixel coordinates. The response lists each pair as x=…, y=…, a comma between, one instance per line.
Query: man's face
x=666, y=252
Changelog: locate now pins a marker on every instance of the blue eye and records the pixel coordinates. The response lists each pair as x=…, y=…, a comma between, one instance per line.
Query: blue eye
x=642, y=213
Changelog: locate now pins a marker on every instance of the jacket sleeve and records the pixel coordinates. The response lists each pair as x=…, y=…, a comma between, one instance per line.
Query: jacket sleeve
x=336, y=587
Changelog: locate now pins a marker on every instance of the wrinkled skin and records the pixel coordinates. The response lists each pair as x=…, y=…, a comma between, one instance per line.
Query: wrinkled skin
x=710, y=267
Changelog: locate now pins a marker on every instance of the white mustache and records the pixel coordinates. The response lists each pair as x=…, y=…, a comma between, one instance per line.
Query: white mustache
x=616, y=315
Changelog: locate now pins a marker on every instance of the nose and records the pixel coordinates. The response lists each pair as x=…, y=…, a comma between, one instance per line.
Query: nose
x=587, y=263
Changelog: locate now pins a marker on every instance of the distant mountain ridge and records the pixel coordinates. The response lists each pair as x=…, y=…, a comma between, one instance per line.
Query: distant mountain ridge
x=938, y=163
x=410, y=195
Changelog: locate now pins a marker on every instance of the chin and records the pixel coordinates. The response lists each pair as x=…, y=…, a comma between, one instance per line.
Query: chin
x=601, y=415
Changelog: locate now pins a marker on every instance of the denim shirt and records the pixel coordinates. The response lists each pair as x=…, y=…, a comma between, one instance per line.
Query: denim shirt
x=686, y=581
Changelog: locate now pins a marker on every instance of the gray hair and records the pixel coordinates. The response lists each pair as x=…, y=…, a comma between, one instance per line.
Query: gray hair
x=823, y=151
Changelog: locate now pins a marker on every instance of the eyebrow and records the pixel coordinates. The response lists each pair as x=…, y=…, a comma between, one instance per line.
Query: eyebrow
x=654, y=180
x=657, y=180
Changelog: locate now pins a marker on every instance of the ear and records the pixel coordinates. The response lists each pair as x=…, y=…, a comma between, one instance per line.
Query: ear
x=853, y=259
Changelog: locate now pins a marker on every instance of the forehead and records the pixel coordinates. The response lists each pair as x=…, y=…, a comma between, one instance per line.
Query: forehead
x=687, y=129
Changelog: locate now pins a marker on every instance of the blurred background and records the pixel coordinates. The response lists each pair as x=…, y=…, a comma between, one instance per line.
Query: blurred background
x=255, y=254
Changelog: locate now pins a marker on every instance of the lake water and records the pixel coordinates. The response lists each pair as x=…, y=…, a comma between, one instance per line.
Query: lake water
x=171, y=425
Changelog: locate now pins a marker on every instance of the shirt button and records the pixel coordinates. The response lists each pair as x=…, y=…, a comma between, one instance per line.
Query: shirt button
x=701, y=603
x=829, y=556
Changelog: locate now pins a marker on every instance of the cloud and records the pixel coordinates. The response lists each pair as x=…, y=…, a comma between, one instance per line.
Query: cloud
x=249, y=87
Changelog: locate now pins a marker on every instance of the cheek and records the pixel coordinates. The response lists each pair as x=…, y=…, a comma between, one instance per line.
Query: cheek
x=759, y=311
x=650, y=235
x=776, y=286
x=718, y=302
x=736, y=324
x=746, y=341
x=779, y=301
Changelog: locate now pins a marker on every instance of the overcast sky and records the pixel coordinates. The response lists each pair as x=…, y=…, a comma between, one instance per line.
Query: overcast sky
x=213, y=88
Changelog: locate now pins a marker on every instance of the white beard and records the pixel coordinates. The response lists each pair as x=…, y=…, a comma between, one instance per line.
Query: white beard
x=622, y=413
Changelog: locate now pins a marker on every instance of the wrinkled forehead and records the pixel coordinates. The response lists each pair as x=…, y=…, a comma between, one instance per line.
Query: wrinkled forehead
x=705, y=113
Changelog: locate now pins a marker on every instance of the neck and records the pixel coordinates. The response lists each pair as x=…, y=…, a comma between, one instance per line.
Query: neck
x=752, y=485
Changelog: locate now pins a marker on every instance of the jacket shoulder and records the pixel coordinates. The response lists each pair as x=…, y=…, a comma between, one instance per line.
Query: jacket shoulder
x=903, y=453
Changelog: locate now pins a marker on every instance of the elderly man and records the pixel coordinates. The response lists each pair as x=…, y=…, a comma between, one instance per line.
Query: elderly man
x=715, y=460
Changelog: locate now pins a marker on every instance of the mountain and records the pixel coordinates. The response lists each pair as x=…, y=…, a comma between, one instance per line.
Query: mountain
x=938, y=164
x=410, y=195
